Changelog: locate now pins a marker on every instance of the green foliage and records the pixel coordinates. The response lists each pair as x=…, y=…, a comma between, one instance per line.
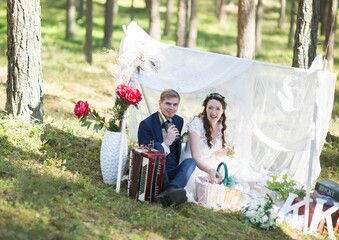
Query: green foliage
x=283, y=187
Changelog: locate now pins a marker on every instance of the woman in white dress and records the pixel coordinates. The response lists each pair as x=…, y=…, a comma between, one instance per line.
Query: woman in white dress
x=208, y=142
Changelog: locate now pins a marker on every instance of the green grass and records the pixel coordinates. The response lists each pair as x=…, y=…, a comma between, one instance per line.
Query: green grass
x=50, y=180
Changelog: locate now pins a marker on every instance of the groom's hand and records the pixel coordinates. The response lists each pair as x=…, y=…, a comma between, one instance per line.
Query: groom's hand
x=172, y=132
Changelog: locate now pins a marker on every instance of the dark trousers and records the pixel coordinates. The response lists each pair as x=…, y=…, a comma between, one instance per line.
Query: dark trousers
x=179, y=176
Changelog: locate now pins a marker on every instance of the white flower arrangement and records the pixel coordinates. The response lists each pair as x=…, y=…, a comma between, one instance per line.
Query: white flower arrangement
x=260, y=213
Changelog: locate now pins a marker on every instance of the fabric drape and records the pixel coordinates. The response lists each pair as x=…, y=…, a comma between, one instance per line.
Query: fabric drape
x=272, y=111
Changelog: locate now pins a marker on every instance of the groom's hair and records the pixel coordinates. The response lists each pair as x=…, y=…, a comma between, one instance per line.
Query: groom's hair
x=169, y=93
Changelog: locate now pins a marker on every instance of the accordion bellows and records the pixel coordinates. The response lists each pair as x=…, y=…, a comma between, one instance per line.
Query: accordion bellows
x=215, y=195
x=146, y=172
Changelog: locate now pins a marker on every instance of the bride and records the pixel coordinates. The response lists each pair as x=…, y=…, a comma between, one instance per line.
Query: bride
x=208, y=143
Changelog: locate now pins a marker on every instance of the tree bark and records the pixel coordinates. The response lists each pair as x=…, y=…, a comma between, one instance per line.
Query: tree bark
x=325, y=9
x=282, y=18
x=330, y=34
x=306, y=33
x=80, y=4
x=258, y=25
x=70, y=20
x=217, y=8
x=108, y=25
x=292, y=23
x=24, y=79
x=169, y=14
x=154, y=20
x=115, y=8
x=193, y=31
x=89, y=26
x=181, y=23
x=222, y=12
x=246, y=29
x=132, y=10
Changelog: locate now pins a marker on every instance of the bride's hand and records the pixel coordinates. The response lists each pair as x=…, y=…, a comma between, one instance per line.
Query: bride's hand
x=220, y=154
x=214, y=176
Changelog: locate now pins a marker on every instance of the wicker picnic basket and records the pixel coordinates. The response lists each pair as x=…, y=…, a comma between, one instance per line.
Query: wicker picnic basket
x=217, y=195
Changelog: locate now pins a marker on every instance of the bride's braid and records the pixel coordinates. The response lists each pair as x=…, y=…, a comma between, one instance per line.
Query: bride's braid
x=222, y=120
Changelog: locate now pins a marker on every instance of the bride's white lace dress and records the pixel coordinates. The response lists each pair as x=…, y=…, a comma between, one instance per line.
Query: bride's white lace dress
x=210, y=155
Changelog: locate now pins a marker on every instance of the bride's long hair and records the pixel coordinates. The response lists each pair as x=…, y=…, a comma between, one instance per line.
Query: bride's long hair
x=222, y=120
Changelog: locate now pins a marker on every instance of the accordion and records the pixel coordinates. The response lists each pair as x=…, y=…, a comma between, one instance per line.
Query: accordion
x=146, y=172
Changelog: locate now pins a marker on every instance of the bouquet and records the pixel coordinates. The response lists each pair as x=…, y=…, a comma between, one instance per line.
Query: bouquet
x=230, y=150
x=125, y=96
x=260, y=213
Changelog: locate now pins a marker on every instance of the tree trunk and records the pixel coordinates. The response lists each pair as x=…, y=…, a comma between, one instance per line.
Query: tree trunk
x=217, y=8
x=70, y=20
x=330, y=34
x=192, y=34
x=115, y=8
x=80, y=4
x=222, y=12
x=292, y=22
x=148, y=4
x=24, y=79
x=154, y=20
x=246, y=29
x=108, y=25
x=282, y=18
x=169, y=14
x=258, y=25
x=89, y=26
x=181, y=23
x=325, y=9
x=306, y=33
x=132, y=11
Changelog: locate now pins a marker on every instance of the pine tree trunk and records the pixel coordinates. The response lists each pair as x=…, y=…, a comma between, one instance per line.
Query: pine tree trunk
x=222, y=12
x=306, y=33
x=132, y=10
x=325, y=8
x=181, y=23
x=24, y=79
x=246, y=29
x=108, y=26
x=330, y=34
x=192, y=34
x=70, y=20
x=169, y=15
x=258, y=25
x=80, y=4
x=89, y=26
x=282, y=18
x=154, y=20
x=115, y=8
x=292, y=22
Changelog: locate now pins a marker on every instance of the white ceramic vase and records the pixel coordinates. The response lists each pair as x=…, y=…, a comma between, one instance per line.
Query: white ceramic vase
x=109, y=155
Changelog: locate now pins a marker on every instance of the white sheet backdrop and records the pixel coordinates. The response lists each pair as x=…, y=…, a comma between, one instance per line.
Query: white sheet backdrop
x=270, y=107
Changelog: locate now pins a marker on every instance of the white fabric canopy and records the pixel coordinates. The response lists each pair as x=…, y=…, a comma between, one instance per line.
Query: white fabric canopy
x=273, y=111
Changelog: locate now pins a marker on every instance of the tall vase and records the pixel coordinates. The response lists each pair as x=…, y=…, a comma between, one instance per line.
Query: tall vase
x=109, y=155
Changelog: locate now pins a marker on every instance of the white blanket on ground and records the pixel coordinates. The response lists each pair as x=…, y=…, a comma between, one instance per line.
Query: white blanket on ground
x=274, y=112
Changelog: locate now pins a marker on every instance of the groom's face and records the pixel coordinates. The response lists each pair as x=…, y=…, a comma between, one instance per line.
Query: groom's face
x=169, y=106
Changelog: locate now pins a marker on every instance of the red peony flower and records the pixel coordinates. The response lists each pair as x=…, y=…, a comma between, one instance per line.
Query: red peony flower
x=131, y=95
x=81, y=109
x=126, y=96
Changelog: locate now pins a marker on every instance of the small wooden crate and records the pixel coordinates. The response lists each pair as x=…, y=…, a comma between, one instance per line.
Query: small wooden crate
x=216, y=195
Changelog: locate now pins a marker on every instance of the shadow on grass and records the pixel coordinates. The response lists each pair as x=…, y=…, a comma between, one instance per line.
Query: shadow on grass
x=41, y=200
x=47, y=201
x=81, y=155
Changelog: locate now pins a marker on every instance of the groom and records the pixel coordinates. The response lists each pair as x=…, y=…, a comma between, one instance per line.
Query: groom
x=166, y=140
